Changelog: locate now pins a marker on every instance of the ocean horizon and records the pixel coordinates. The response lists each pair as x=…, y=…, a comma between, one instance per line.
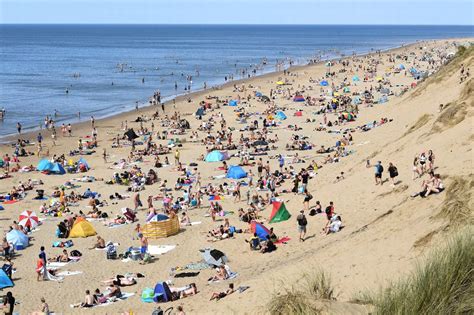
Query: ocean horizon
x=105, y=69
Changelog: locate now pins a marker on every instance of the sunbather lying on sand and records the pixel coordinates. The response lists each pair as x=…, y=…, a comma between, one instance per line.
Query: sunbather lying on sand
x=219, y=295
x=122, y=281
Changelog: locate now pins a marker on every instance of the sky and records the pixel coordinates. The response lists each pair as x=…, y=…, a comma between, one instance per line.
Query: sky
x=408, y=12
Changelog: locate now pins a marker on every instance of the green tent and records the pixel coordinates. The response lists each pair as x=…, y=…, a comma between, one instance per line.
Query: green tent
x=279, y=213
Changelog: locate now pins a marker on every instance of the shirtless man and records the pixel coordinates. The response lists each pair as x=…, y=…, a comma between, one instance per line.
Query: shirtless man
x=100, y=243
x=143, y=244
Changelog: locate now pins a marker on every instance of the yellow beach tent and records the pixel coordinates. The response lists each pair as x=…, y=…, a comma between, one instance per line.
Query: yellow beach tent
x=82, y=228
x=280, y=82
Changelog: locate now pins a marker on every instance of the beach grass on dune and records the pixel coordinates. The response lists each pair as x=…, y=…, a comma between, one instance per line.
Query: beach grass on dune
x=443, y=284
x=315, y=286
x=457, y=206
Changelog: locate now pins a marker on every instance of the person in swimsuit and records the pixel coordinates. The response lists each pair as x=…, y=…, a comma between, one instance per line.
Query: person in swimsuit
x=220, y=295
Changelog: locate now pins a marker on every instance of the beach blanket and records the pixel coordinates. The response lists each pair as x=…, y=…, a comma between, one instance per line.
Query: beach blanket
x=232, y=275
x=56, y=264
x=68, y=273
x=125, y=295
x=9, y=202
x=160, y=249
x=283, y=240
x=196, y=266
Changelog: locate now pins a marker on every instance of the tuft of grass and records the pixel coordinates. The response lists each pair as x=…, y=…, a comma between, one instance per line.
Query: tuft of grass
x=423, y=120
x=291, y=302
x=463, y=55
x=457, y=206
x=303, y=300
x=319, y=286
x=442, y=285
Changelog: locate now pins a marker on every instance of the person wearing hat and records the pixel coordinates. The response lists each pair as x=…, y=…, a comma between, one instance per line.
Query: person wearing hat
x=302, y=223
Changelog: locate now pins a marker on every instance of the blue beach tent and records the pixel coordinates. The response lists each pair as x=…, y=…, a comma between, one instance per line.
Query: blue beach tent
x=280, y=115
x=44, y=165
x=162, y=292
x=260, y=230
x=324, y=83
x=258, y=94
x=5, y=282
x=84, y=162
x=58, y=169
x=236, y=172
x=355, y=78
x=18, y=239
x=215, y=156
x=233, y=103
x=401, y=67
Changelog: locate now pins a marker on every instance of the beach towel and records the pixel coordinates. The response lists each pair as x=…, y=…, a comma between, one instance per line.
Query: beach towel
x=232, y=275
x=197, y=266
x=125, y=295
x=160, y=249
x=9, y=202
x=56, y=264
x=282, y=240
x=196, y=223
x=68, y=273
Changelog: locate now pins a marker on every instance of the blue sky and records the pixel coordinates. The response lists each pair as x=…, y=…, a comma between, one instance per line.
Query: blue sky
x=433, y=12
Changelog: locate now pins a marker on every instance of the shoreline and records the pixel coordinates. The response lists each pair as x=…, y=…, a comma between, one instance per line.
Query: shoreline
x=10, y=139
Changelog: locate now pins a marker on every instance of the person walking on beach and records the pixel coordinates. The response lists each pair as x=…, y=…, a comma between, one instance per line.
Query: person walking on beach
x=393, y=172
x=378, y=173
x=302, y=223
x=53, y=136
x=18, y=127
x=8, y=303
x=69, y=129
x=104, y=155
x=137, y=202
x=92, y=121
x=39, y=138
x=281, y=161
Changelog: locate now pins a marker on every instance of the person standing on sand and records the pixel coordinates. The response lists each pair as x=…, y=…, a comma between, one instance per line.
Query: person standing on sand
x=378, y=173
x=18, y=127
x=137, y=201
x=8, y=304
x=302, y=223
x=53, y=136
x=176, y=156
x=92, y=121
x=104, y=155
x=69, y=129
x=42, y=256
x=393, y=172
x=143, y=244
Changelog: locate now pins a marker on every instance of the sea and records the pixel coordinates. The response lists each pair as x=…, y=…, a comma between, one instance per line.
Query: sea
x=102, y=70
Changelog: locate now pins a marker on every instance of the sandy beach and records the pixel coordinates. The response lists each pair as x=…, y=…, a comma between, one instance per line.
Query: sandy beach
x=382, y=112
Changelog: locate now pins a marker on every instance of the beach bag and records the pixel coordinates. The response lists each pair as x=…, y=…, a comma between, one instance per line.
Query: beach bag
x=76, y=253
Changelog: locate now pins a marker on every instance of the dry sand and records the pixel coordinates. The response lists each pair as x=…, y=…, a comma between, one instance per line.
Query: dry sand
x=381, y=223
